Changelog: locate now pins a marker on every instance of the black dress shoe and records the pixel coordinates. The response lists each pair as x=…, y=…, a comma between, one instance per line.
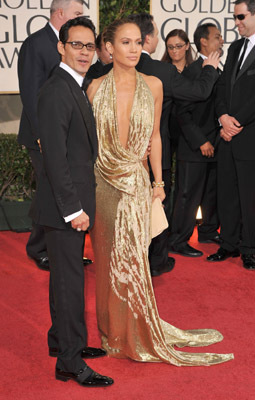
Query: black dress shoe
x=168, y=267
x=42, y=263
x=86, y=377
x=216, y=239
x=185, y=250
x=88, y=352
x=248, y=261
x=223, y=254
x=87, y=261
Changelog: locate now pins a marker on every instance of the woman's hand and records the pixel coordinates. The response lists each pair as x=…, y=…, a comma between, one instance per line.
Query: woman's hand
x=158, y=192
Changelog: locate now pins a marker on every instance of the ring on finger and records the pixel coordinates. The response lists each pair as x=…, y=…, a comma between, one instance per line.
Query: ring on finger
x=78, y=229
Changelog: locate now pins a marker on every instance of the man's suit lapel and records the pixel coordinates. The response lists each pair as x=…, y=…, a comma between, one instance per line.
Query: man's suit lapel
x=249, y=60
x=199, y=62
x=53, y=41
x=87, y=114
x=235, y=62
x=52, y=36
x=83, y=105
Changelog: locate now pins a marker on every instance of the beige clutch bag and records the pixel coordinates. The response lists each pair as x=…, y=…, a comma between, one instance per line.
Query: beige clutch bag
x=158, y=218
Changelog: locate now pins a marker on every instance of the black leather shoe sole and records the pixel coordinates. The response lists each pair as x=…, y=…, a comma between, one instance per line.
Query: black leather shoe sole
x=87, y=261
x=213, y=240
x=167, y=268
x=186, y=253
x=92, y=380
x=218, y=258
x=88, y=352
x=248, y=262
x=42, y=263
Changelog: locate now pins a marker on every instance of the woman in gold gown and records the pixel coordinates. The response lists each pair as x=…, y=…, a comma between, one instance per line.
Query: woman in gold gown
x=127, y=108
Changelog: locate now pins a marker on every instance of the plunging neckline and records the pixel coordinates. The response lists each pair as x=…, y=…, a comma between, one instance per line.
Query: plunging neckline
x=131, y=112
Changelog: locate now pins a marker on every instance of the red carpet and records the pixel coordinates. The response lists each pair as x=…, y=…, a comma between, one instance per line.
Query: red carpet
x=196, y=294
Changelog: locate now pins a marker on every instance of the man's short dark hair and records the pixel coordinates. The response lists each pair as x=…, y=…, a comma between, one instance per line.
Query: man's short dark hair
x=250, y=5
x=78, y=21
x=202, y=31
x=145, y=23
x=99, y=41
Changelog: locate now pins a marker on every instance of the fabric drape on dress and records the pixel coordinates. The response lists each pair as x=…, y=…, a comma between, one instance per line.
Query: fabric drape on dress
x=127, y=313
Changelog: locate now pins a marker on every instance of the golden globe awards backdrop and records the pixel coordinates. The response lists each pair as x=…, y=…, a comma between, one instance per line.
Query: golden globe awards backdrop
x=18, y=19
x=188, y=14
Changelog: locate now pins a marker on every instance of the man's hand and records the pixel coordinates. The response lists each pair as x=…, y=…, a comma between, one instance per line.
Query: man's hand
x=81, y=223
x=207, y=149
x=230, y=125
x=225, y=136
x=39, y=144
x=213, y=60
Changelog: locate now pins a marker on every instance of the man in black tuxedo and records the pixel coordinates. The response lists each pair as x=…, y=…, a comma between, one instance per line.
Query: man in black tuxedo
x=175, y=86
x=196, y=158
x=236, y=155
x=65, y=198
x=37, y=59
x=104, y=61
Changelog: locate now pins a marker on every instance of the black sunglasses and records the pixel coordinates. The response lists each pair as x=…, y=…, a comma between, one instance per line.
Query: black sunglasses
x=240, y=17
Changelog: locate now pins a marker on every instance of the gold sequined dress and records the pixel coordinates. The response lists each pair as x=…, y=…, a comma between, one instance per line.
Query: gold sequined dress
x=127, y=313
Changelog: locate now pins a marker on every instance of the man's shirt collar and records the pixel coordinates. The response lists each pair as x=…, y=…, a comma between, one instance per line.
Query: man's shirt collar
x=54, y=30
x=79, y=78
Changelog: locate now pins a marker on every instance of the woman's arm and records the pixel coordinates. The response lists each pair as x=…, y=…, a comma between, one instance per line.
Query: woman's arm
x=156, y=147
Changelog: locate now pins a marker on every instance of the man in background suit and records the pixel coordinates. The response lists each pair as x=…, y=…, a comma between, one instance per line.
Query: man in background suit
x=197, y=167
x=37, y=59
x=175, y=86
x=104, y=60
x=65, y=198
x=236, y=156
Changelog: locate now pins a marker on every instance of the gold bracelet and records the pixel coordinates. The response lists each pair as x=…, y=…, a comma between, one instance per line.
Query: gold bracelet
x=158, y=184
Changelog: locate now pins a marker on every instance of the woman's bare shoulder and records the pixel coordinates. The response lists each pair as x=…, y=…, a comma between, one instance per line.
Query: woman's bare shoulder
x=93, y=87
x=153, y=82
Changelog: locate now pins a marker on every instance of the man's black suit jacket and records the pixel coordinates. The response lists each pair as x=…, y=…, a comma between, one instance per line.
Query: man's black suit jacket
x=175, y=86
x=236, y=97
x=198, y=121
x=98, y=69
x=69, y=147
x=37, y=58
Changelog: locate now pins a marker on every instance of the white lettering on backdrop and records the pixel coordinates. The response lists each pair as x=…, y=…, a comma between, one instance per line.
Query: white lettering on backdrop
x=18, y=19
x=188, y=14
